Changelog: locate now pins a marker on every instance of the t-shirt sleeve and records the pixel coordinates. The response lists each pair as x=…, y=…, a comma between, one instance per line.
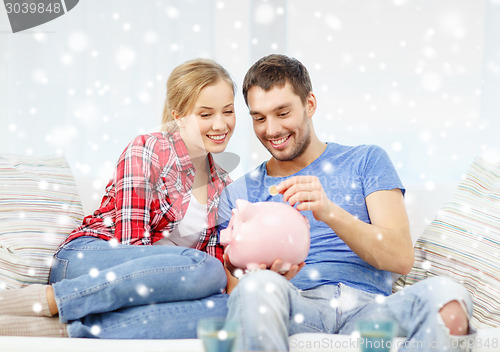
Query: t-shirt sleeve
x=225, y=209
x=378, y=172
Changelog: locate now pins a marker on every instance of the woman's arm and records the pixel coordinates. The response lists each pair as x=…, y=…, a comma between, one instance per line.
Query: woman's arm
x=136, y=174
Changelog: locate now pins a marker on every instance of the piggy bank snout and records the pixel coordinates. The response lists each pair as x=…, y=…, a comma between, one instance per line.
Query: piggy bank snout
x=225, y=236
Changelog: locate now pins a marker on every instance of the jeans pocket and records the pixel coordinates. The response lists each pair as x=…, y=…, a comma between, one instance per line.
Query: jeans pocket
x=58, y=269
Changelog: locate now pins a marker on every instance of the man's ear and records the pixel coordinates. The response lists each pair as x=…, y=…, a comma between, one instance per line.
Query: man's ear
x=311, y=104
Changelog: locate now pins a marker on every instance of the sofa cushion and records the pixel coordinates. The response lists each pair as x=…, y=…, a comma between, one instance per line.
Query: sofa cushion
x=39, y=207
x=463, y=242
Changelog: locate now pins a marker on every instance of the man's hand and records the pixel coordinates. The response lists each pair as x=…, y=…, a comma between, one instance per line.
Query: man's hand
x=290, y=274
x=308, y=193
x=233, y=280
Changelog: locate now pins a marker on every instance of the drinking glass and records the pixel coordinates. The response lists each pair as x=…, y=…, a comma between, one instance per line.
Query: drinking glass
x=376, y=335
x=217, y=334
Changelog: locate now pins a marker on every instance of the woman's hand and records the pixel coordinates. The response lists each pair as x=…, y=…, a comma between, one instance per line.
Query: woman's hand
x=232, y=281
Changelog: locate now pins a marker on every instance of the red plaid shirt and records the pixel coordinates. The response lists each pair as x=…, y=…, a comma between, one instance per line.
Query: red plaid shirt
x=150, y=194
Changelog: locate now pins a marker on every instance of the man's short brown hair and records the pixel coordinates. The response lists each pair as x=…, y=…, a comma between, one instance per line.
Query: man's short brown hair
x=275, y=70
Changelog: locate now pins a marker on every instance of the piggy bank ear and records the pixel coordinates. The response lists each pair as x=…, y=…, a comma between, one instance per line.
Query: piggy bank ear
x=307, y=222
x=241, y=204
x=245, y=210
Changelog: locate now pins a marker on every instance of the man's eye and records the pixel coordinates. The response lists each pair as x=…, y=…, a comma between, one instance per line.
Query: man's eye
x=229, y=112
x=283, y=114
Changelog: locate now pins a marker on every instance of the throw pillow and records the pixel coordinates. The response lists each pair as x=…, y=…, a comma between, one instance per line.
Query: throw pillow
x=463, y=242
x=39, y=207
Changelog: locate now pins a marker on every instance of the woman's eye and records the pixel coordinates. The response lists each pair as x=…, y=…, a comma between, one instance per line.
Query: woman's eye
x=228, y=112
x=205, y=115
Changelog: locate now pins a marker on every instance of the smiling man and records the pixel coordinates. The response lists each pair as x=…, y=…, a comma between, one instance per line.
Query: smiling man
x=353, y=199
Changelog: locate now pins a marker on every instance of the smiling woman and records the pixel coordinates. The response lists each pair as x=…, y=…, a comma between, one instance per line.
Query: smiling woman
x=209, y=125
x=164, y=193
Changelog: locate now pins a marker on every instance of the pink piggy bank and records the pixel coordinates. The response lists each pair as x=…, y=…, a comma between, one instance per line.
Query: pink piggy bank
x=260, y=233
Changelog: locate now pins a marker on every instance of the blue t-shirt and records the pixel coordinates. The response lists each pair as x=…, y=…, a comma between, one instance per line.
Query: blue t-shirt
x=348, y=175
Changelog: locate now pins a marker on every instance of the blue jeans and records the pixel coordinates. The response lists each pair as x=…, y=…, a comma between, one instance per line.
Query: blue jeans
x=269, y=309
x=124, y=291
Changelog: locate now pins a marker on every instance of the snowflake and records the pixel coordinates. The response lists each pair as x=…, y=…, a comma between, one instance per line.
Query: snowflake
x=430, y=186
x=125, y=57
x=172, y=12
x=397, y=146
x=111, y=276
x=314, y=275
x=95, y=330
x=66, y=59
x=63, y=220
x=431, y=82
x=222, y=335
x=250, y=285
x=78, y=41
x=400, y=2
x=264, y=14
x=327, y=167
x=270, y=287
x=37, y=307
x=453, y=24
x=40, y=76
x=142, y=290
x=43, y=185
x=298, y=318
x=333, y=22
x=40, y=37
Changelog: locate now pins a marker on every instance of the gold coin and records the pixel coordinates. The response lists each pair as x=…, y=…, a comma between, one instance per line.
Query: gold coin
x=273, y=190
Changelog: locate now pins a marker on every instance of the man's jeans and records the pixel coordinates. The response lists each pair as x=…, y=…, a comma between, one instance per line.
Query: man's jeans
x=269, y=309
x=123, y=291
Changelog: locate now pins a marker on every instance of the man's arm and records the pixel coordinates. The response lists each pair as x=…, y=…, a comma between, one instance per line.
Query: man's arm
x=385, y=243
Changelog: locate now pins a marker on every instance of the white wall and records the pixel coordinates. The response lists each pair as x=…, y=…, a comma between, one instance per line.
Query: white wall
x=420, y=78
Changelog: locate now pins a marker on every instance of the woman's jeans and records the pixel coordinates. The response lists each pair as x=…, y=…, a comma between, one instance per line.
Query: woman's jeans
x=108, y=290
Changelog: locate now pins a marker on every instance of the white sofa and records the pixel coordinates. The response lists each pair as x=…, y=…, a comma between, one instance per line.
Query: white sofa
x=49, y=181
